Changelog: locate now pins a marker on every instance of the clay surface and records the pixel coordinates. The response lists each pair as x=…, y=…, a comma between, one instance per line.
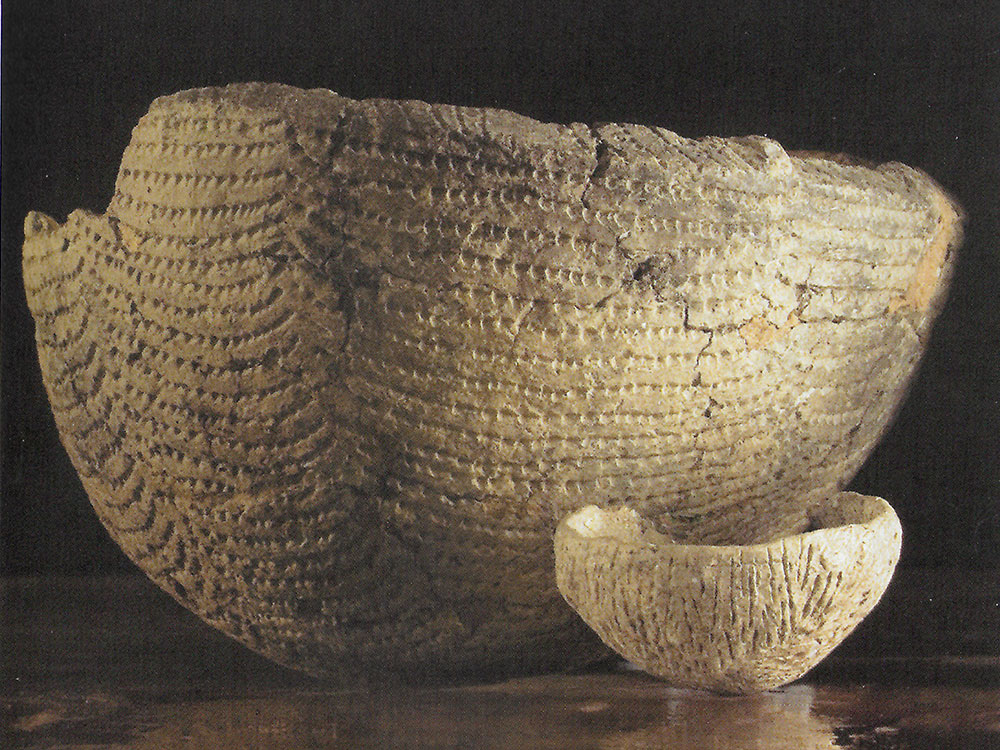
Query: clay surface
x=728, y=618
x=331, y=371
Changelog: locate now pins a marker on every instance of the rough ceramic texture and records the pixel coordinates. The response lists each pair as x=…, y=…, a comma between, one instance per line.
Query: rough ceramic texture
x=728, y=618
x=331, y=371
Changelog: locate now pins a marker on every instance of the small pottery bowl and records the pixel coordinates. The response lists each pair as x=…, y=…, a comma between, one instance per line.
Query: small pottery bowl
x=730, y=618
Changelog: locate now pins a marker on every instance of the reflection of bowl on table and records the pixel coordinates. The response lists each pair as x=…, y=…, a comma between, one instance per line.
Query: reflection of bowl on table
x=729, y=618
x=332, y=371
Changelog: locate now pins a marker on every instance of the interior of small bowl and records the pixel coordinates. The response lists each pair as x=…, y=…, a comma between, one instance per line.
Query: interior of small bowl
x=845, y=508
x=624, y=525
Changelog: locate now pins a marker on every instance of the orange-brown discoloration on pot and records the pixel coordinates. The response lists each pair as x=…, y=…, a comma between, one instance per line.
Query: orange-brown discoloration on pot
x=924, y=283
x=759, y=332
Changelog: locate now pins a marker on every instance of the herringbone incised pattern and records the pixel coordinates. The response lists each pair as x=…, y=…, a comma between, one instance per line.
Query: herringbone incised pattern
x=331, y=371
x=735, y=619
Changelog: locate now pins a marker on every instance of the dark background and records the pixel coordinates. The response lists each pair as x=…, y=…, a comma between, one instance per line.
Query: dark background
x=905, y=80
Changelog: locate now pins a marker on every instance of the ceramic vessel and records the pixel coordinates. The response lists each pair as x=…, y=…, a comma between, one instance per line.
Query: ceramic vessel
x=331, y=371
x=733, y=619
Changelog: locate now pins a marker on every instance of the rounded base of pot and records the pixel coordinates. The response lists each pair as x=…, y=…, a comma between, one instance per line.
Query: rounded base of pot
x=734, y=619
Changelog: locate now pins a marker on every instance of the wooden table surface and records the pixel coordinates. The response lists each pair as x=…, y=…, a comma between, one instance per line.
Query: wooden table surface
x=114, y=662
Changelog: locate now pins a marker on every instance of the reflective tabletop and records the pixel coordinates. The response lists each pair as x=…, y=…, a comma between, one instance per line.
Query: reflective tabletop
x=114, y=662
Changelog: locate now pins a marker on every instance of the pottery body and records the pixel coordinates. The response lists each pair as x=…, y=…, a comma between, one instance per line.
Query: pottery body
x=332, y=371
x=729, y=618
